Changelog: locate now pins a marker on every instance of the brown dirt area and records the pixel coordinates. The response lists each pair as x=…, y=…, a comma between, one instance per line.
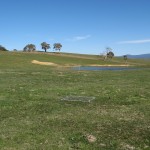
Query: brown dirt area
x=53, y=64
x=44, y=63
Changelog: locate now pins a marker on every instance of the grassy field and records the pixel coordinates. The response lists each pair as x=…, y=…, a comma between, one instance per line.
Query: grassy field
x=34, y=117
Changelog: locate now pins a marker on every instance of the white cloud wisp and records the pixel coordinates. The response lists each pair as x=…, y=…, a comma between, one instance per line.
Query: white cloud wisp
x=79, y=38
x=135, y=41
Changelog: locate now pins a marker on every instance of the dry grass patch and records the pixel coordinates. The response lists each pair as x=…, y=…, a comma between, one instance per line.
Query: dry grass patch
x=44, y=63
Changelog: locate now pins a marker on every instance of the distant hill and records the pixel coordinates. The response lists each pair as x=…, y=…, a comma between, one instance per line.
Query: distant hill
x=141, y=56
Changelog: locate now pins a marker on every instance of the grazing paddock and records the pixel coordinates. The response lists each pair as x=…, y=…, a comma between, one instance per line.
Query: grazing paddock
x=36, y=113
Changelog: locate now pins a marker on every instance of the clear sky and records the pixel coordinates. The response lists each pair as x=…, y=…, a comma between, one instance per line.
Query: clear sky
x=81, y=26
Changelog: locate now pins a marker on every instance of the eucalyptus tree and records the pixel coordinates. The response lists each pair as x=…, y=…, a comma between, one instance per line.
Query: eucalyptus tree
x=2, y=48
x=109, y=53
x=125, y=58
x=45, y=46
x=57, y=46
x=108, y=49
x=29, y=48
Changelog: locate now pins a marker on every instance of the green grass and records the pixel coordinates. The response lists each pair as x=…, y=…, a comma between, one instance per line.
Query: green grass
x=33, y=116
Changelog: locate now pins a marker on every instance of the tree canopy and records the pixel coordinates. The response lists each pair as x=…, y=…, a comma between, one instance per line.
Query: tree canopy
x=125, y=58
x=57, y=46
x=110, y=55
x=108, y=49
x=29, y=48
x=2, y=48
x=45, y=46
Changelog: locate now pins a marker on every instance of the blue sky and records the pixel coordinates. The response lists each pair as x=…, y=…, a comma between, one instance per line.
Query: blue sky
x=81, y=26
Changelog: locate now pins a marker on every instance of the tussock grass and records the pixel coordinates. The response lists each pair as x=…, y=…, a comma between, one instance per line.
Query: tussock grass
x=33, y=116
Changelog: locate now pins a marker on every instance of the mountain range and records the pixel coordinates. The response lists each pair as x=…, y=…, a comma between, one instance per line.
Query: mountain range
x=141, y=56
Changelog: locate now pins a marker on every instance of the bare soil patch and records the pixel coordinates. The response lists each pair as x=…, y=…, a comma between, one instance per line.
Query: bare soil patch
x=44, y=63
x=68, y=65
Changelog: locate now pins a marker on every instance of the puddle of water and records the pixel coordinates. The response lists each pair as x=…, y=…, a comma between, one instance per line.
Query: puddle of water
x=96, y=68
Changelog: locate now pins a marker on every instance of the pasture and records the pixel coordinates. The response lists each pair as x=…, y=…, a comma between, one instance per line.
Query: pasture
x=33, y=115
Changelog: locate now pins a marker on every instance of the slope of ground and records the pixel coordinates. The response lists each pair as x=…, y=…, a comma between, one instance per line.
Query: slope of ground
x=106, y=110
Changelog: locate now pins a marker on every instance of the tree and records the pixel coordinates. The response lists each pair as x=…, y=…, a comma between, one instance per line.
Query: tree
x=108, y=49
x=109, y=54
x=125, y=58
x=29, y=48
x=2, y=48
x=57, y=46
x=45, y=46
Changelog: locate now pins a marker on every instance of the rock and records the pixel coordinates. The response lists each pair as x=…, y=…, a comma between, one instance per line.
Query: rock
x=91, y=138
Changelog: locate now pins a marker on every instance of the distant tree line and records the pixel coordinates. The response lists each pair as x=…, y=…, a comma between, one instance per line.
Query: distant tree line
x=108, y=54
x=32, y=47
x=44, y=45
